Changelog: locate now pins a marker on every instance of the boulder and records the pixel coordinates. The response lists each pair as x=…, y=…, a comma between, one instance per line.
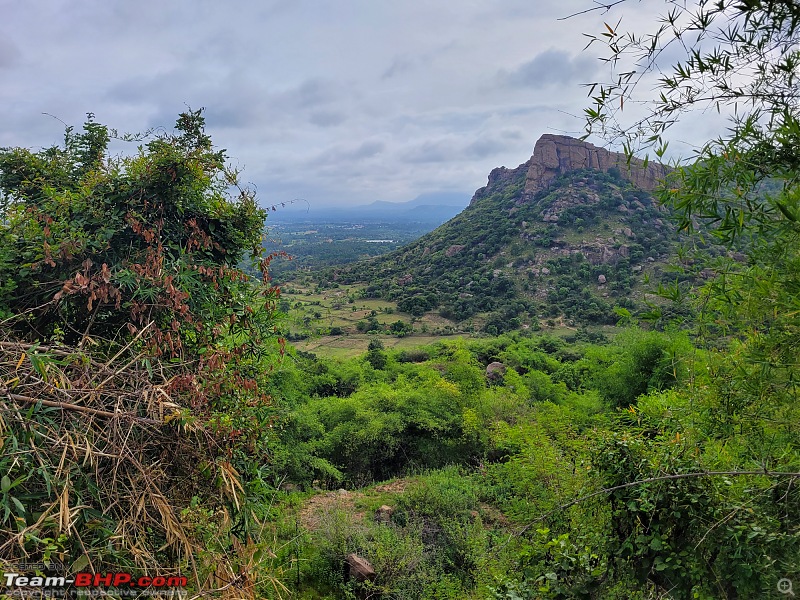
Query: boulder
x=384, y=514
x=359, y=569
x=495, y=371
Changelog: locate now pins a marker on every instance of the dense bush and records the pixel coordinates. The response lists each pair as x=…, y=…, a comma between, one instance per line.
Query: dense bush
x=136, y=356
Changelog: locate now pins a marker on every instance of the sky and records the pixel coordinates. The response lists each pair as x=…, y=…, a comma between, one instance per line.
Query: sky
x=337, y=103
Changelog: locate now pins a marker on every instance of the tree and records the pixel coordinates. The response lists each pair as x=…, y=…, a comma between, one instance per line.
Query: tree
x=739, y=57
x=95, y=245
x=376, y=355
x=742, y=188
x=131, y=331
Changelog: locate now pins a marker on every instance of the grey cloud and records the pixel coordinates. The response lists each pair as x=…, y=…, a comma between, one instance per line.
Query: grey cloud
x=466, y=148
x=512, y=134
x=490, y=145
x=9, y=54
x=33, y=130
x=326, y=118
x=339, y=155
x=172, y=84
x=428, y=152
x=228, y=115
x=329, y=103
x=366, y=149
x=399, y=65
x=310, y=93
x=552, y=67
x=484, y=147
x=235, y=101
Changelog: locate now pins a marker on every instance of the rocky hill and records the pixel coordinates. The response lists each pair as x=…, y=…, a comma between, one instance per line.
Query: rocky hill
x=571, y=233
x=555, y=155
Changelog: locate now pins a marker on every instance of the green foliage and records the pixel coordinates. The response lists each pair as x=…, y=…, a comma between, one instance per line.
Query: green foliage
x=401, y=328
x=498, y=258
x=425, y=551
x=135, y=337
x=529, y=445
x=740, y=189
x=376, y=357
x=638, y=362
x=96, y=244
x=697, y=536
x=382, y=430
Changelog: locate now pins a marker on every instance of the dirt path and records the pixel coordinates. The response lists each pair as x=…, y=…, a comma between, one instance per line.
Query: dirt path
x=323, y=504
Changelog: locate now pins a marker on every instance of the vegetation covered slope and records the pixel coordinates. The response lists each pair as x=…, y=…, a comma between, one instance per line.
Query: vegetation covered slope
x=623, y=470
x=577, y=248
x=662, y=465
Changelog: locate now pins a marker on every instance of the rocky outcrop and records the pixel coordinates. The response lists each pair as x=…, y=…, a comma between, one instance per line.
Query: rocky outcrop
x=499, y=178
x=555, y=155
x=453, y=250
x=495, y=371
x=384, y=514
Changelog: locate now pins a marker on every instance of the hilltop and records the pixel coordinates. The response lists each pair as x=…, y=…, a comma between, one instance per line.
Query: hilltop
x=569, y=234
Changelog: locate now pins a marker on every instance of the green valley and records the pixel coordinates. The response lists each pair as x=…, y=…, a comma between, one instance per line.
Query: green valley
x=584, y=385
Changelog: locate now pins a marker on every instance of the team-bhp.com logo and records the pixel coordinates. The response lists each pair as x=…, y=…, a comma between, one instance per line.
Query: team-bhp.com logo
x=96, y=580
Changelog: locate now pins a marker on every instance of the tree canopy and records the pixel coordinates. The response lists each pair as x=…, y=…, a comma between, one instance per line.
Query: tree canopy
x=99, y=245
x=738, y=57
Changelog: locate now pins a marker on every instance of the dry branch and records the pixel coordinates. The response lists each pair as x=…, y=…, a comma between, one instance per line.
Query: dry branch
x=106, y=462
x=83, y=409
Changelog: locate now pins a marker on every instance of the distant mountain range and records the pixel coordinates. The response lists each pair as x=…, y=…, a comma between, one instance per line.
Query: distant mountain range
x=433, y=208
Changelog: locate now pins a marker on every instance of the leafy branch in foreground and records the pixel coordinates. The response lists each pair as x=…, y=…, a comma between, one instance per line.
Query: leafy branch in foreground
x=134, y=412
x=738, y=56
x=674, y=476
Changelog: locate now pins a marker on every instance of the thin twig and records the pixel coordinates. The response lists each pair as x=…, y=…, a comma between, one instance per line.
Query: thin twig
x=83, y=409
x=600, y=6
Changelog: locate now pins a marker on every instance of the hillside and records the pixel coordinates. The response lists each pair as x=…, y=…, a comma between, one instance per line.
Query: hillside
x=572, y=233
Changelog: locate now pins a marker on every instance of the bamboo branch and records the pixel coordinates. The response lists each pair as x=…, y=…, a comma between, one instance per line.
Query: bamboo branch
x=600, y=6
x=57, y=350
x=75, y=407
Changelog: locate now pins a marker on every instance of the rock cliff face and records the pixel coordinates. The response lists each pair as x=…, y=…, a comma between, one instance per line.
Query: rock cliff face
x=498, y=179
x=554, y=155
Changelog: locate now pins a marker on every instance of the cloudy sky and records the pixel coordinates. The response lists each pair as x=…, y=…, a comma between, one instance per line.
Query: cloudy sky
x=338, y=102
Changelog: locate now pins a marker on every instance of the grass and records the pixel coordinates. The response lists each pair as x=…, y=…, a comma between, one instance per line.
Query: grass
x=313, y=313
